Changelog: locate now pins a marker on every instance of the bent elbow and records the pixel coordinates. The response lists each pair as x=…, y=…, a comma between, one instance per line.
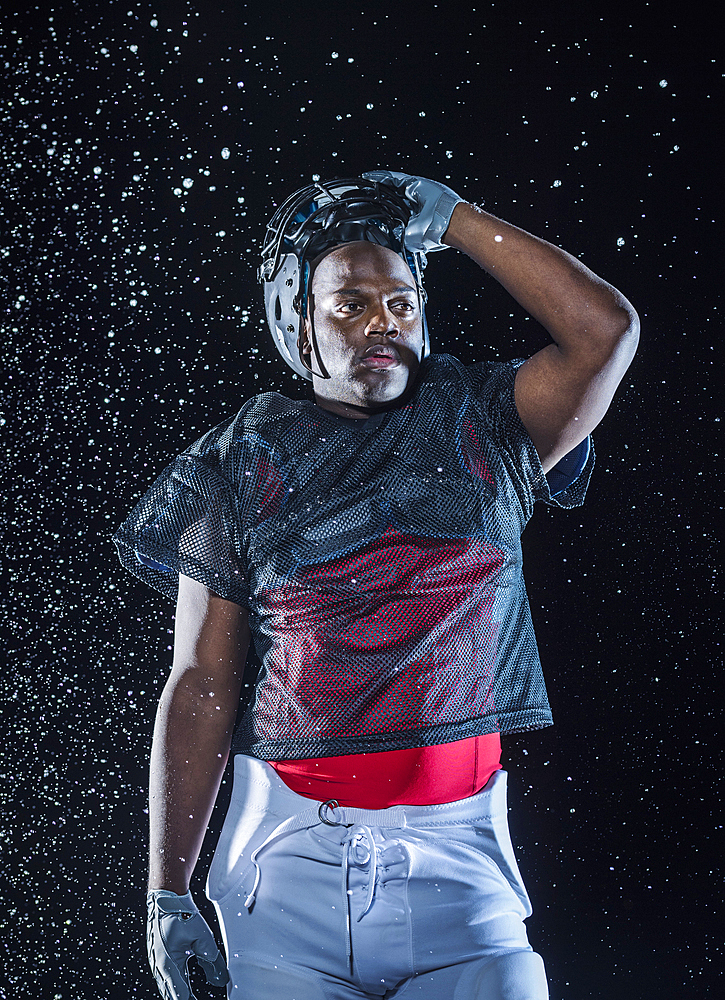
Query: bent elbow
x=626, y=321
x=622, y=346
x=628, y=340
x=632, y=329
x=620, y=334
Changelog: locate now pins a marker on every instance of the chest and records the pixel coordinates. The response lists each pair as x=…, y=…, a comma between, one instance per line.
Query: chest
x=340, y=493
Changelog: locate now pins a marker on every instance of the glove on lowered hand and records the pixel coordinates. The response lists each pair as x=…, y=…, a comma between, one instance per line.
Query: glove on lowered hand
x=435, y=203
x=175, y=932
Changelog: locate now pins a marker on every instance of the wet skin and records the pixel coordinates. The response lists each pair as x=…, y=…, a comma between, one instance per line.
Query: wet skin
x=368, y=329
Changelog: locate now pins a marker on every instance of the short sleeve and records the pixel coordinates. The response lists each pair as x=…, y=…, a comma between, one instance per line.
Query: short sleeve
x=492, y=397
x=186, y=523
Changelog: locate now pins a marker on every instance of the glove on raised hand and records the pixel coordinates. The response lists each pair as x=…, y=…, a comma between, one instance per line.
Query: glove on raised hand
x=175, y=932
x=435, y=203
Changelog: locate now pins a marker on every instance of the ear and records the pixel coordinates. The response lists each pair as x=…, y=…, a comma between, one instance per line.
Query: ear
x=304, y=336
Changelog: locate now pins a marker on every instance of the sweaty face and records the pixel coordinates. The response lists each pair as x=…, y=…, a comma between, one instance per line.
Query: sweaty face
x=368, y=329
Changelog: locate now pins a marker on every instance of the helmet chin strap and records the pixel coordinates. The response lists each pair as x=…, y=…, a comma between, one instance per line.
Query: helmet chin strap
x=307, y=296
x=313, y=341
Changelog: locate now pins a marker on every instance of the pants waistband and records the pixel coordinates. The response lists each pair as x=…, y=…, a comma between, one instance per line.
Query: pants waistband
x=266, y=792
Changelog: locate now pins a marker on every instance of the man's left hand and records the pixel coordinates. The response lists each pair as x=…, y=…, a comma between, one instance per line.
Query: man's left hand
x=434, y=207
x=176, y=932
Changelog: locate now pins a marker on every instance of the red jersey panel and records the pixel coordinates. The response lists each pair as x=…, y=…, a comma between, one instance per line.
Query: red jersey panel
x=421, y=776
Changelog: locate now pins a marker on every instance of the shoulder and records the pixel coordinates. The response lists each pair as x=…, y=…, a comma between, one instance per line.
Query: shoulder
x=228, y=448
x=444, y=371
x=257, y=415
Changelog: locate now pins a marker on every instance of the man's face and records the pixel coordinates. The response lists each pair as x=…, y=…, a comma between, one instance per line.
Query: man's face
x=368, y=329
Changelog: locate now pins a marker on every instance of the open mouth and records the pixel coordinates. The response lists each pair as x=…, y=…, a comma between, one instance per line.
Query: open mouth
x=381, y=357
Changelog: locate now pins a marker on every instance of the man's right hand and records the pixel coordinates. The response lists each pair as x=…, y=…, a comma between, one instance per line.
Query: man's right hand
x=434, y=203
x=176, y=932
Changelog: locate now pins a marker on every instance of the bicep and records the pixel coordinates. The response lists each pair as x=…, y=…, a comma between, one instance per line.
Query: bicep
x=562, y=397
x=211, y=639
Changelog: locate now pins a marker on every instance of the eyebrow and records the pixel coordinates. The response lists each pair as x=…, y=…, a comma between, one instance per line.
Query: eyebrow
x=359, y=291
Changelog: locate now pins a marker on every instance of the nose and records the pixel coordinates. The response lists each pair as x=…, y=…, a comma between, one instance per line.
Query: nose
x=382, y=323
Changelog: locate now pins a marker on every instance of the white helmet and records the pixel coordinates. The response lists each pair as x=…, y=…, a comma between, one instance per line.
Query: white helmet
x=319, y=218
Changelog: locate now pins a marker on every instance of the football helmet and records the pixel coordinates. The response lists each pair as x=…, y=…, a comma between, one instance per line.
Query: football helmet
x=317, y=219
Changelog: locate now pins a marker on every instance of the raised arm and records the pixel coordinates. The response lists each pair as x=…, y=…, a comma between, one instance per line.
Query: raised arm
x=564, y=390
x=193, y=730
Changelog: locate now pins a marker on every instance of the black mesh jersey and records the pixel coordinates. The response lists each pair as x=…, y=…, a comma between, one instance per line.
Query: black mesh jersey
x=380, y=561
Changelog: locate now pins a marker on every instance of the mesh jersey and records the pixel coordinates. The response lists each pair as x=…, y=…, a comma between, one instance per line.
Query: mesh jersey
x=381, y=563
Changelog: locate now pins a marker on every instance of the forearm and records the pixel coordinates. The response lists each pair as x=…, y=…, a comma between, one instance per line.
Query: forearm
x=190, y=749
x=578, y=309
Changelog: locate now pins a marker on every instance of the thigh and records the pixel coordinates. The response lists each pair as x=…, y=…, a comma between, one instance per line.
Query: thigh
x=252, y=979
x=462, y=906
x=293, y=937
x=517, y=975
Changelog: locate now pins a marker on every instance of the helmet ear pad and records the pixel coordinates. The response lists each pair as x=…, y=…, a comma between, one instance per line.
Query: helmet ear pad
x=280, y=300
x=306, y=342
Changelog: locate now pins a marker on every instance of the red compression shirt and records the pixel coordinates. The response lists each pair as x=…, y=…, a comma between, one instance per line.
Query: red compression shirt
x=421, y=776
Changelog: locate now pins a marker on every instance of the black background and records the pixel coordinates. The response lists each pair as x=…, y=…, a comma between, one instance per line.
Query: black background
x=134, y=323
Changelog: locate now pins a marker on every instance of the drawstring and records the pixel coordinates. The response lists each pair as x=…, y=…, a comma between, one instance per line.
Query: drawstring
x=359, y=842
x=355, y=840
x=301, y=821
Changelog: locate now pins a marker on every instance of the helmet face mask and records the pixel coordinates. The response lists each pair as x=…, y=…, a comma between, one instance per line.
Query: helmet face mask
x=315, y=220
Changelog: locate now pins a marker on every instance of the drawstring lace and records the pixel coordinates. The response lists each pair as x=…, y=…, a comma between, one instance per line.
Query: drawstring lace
x=359, y=842
x=301, y=821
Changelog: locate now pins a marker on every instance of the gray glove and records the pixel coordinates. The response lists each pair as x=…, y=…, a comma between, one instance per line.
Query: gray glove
x=175, y=932
x=435, y=203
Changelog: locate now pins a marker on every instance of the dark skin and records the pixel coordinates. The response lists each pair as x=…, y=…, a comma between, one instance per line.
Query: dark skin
x=562, y=392
x=364, y=297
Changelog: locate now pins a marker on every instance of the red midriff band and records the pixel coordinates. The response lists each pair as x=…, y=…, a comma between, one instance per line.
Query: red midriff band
x=422, y=776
